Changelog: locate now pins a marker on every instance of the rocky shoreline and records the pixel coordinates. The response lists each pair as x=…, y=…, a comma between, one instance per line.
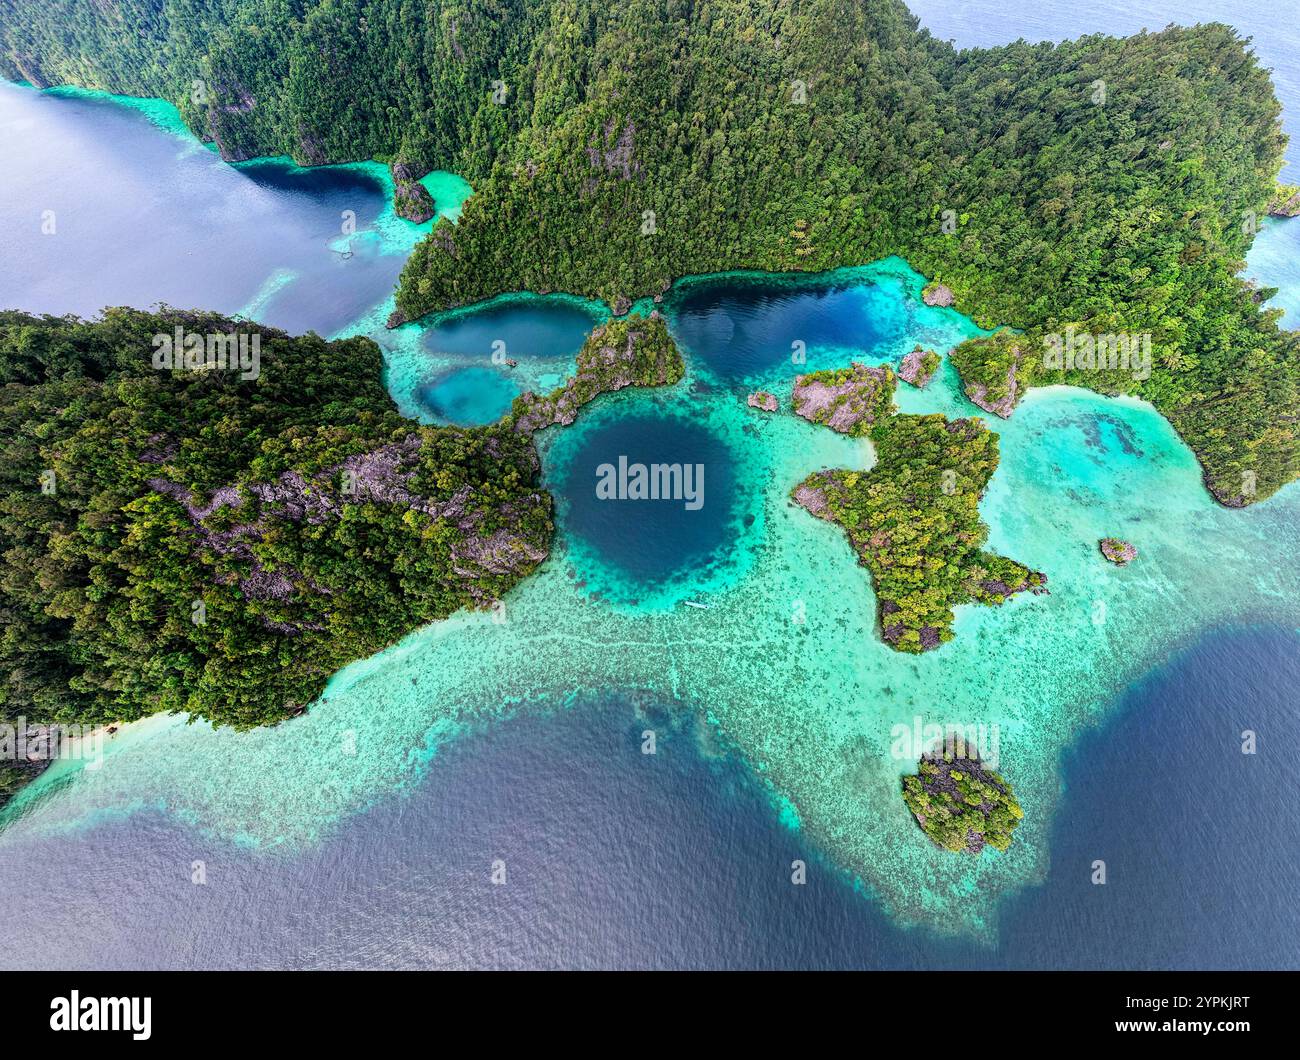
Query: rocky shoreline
x=28, y=749
x=1287, y=203
x=918, y=367
x=633, y=351
x=878, y=511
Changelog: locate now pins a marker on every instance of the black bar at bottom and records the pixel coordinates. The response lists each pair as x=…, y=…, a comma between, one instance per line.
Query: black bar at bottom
x=333, y=1008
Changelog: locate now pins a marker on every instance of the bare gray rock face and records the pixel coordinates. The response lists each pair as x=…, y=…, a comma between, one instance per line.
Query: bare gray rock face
x=936, y=294
x=1004, y=406
x=381, y=476
x=912, y=370
x=849, y=405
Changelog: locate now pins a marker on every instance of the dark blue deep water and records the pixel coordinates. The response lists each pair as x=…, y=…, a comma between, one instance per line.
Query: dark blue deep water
x=746, y=329
x=646, y=541
x=619, y=859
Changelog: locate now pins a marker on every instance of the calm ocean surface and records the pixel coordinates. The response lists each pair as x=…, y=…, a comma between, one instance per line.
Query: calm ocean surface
x=616, y=858
x=619, y=859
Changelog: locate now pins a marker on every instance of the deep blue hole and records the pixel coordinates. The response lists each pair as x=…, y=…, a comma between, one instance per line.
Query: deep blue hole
x=650, y=541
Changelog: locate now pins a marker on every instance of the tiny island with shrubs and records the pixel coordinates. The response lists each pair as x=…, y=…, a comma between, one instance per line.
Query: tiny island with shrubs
x=1120, y=553
x=960, y=803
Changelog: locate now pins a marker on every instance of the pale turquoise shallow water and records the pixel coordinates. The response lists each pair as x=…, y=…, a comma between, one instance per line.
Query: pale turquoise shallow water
x=808, y=703
x=457, y=368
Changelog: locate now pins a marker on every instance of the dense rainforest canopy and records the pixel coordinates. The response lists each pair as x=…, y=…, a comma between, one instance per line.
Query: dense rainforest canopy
x=1113, y=185
x=190, y=540
x=960, y=803
x=195, y=541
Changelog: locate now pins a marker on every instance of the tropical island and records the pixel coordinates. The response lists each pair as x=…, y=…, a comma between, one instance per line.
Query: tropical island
x=633, y=351
x=960, y=803
x=849, y=400
x=918, y=367
x=1120, y=553
x=914, y=522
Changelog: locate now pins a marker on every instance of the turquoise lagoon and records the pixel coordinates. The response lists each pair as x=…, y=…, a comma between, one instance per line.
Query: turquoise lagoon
x=466, y=366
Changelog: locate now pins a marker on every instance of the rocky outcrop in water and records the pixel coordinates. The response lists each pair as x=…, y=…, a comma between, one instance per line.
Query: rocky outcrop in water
x=761, y=399
x=930, y=472
x=411, y=199
x=810, y=495
x=850, y=400
x=1121, y=553
x=960, y=803
x=1004, y=404
x=997, y=369
x=407, y=172
x=24, y=755
x=918, y=367
x=636, y=351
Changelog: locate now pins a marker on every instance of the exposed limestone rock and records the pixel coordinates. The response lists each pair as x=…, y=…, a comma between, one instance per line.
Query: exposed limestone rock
x=918, y=367
x=612, y=150
x=407, y=172
x=813, y=498
x=1121, y=553
x=1287, y=203
x=959, y=802
x=311, y=152
x=936, y=294
x=851, y=400
x=1005, y=405
x=381, y=476
x=31, y=71
x=413, y=202
x=636, y=351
